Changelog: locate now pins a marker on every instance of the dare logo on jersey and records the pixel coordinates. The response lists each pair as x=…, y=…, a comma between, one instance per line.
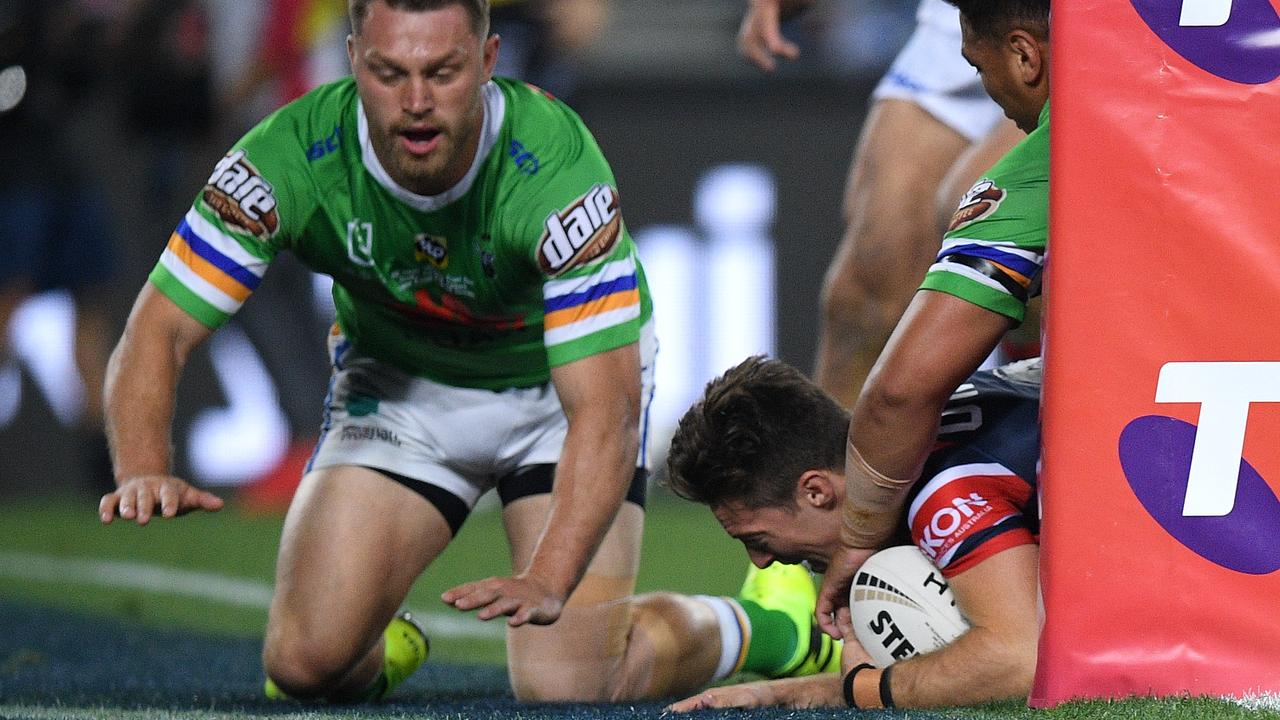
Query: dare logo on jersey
x=241, y=197
x=981, y=200
x=432, y=249
x=582, y=232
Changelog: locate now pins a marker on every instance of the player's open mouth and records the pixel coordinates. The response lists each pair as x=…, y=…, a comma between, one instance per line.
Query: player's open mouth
x=420, y=141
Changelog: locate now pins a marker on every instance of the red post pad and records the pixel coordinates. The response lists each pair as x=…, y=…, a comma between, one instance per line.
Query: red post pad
x=1160, y=563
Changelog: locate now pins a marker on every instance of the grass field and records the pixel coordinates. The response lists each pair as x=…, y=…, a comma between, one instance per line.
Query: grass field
x=165, y=621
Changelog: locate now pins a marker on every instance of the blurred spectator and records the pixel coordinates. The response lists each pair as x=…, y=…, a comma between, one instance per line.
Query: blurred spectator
x=167, y=91
x=299, y=44
x=543, y=40
x=55, y=227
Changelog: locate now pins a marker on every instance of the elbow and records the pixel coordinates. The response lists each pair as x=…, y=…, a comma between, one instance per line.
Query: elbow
x=1013, y=667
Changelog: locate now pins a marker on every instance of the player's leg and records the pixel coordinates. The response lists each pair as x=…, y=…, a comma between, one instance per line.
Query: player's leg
x=354, y=541
x=609, y=645
x=356, y=537
x=889, y=239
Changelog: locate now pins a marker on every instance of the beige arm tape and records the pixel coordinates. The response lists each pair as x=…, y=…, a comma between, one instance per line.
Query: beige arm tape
x=872, y=502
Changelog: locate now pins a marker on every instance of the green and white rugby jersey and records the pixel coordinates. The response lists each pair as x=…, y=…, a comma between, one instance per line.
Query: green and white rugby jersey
x=524, y=265
x=994, y=250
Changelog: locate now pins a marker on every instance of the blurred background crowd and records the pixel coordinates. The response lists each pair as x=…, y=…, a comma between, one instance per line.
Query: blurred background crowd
x=113, y=112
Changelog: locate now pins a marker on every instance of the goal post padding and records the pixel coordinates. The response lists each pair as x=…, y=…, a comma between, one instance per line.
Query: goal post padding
x=1160, y=575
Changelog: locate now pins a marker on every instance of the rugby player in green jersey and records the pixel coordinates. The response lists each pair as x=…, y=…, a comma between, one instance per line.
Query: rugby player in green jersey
x=493, y=332
x=989, y=265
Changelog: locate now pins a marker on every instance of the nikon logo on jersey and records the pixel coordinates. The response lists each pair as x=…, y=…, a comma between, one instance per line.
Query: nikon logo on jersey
x=431, y=248
x=981, y=200
x=241, y=197
x=581, y=232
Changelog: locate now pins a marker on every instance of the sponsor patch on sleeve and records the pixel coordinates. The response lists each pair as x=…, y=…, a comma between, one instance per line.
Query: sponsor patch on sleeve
x=585, y=230
x=979, y=202
x=241, y=197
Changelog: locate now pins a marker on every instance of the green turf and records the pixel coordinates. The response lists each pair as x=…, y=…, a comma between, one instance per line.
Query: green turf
x=152, y=635
x=684, y=550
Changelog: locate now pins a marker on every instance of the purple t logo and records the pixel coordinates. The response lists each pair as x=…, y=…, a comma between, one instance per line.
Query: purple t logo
x=1194, y=480
x=1237, y=40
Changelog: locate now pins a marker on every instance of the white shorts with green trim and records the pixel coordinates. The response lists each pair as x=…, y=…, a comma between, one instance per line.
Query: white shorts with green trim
x=462, y=440
x=930, y=72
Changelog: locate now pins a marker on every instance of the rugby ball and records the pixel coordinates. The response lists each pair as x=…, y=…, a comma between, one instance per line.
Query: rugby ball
x=901, y=606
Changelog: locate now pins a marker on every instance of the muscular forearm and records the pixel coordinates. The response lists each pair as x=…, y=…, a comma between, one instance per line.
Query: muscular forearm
x=895, y=421
x=141, y=383
x=595, y=470
x=139, y=410
x=979, y=667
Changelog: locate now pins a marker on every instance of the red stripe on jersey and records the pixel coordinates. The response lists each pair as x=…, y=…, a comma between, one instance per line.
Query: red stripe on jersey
x=952, y=511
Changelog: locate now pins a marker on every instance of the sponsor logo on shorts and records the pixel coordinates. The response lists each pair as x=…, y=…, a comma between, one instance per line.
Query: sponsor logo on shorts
x=432, y=249
x=981, y=201
x=364, y=433
x=1232, y=39
x=582, y=232
x=241, y=197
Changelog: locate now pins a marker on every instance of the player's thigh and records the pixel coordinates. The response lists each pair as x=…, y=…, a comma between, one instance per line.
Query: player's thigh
x=353, y=543
x=970, y=166
x=901, y=158
x=579, y=657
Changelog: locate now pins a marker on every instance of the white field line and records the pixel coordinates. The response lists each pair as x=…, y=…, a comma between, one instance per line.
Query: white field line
x=206, y=586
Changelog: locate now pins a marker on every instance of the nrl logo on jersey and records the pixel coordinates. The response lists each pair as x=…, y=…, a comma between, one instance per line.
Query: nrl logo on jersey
x=241, y=197
x=431, y=248
x=582, y=232
x=981, y=201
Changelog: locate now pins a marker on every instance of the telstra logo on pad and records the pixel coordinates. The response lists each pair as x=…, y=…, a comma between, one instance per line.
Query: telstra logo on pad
x=1194, y=479
x=1237, y=40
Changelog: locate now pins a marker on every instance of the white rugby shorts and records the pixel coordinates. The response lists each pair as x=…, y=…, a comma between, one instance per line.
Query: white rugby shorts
x=461, y=440
x=930, y=72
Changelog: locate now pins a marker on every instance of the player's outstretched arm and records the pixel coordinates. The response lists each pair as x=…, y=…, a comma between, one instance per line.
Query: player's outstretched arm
x=760, y=37
x=995, y=659
x=813, y=691
x=600, y=395
x=142, y=380
x=940, y=341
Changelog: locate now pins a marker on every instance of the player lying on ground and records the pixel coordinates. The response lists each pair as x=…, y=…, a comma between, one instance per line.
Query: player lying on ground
x=764, y=448
x=978, y=288
x=493, y=332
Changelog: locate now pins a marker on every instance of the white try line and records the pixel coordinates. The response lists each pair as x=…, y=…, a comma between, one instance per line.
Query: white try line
x=212, y=587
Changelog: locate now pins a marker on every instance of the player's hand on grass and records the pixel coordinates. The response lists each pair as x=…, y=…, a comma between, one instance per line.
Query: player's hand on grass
x=836, y=581
x=760, y=38
x=804, y=692
x=139, y=498
x=522, y=599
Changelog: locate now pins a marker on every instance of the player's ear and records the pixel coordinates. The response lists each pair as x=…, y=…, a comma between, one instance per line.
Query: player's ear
x=1029, y=55
x=491, y=45
x=816, y=488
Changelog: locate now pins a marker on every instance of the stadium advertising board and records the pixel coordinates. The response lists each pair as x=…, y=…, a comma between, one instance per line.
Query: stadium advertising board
x=1160, y=566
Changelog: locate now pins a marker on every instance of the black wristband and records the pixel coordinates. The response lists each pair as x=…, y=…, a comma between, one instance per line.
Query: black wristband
x=886, y=694
x=848, y=683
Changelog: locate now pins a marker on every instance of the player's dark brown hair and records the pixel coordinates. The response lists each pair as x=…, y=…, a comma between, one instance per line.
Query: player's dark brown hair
x=993, y=18
x=755, y=431
x=478, y=10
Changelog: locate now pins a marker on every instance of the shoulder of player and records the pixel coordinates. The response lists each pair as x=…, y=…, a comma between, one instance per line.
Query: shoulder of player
x=540, y=126
x=313, y=127
x=1026, y=163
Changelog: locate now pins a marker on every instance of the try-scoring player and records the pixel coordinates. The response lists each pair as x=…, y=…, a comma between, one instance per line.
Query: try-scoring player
x=764, y=448
x=978, y=288
x=493, y=332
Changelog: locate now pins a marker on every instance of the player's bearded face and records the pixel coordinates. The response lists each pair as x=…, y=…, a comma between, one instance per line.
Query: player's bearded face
x=420, y=75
